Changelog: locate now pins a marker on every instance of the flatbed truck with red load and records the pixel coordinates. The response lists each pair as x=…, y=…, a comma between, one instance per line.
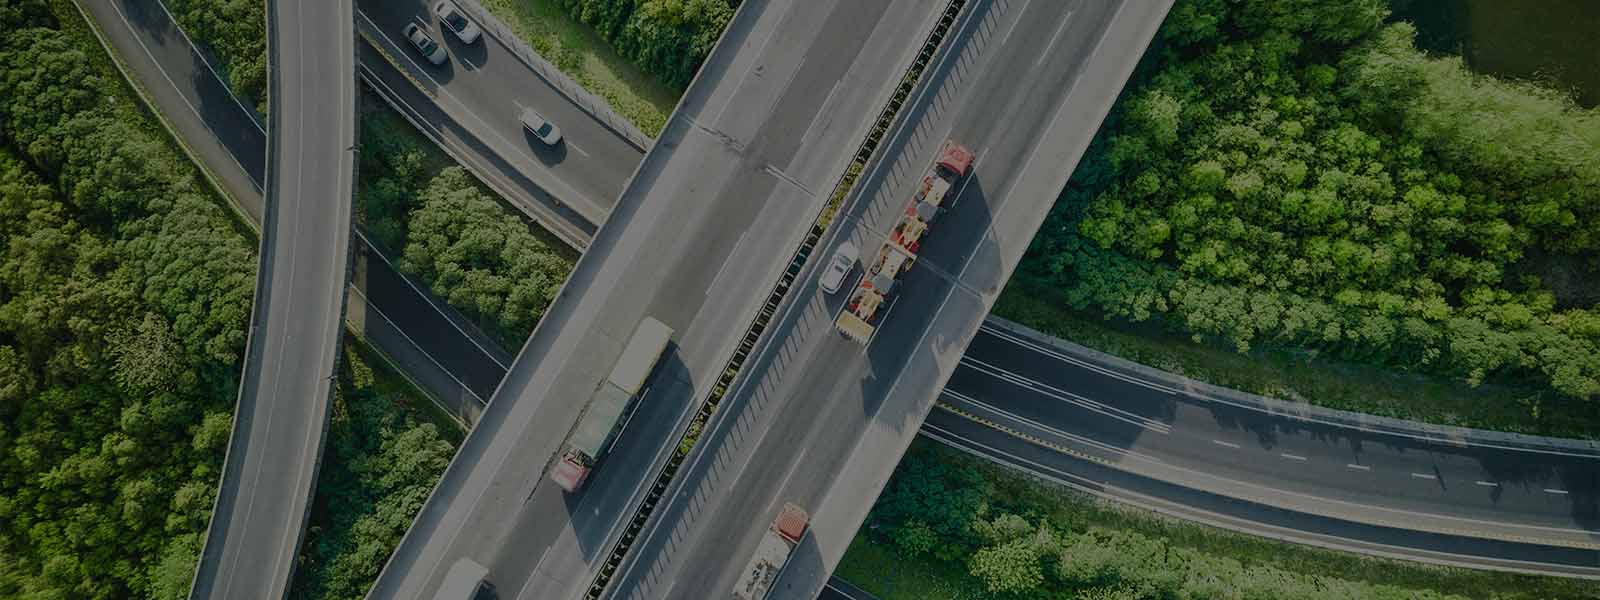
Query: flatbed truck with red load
x=772, y=554
x=870, y=301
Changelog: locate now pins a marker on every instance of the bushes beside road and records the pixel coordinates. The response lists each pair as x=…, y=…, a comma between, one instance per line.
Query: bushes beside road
x=1297, y=174
x=667, y=38
x=949, y=526
x=235, y=31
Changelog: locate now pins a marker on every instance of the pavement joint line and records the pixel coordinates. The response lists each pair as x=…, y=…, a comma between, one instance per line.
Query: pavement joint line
x=1358, y=467
x=1377, y=521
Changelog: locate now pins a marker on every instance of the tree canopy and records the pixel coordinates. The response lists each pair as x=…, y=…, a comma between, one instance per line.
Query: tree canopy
x=124, y=297
x=1298, y=173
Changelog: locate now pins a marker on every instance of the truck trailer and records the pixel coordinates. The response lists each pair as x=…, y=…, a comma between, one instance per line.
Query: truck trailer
x=755, y=582
x=610, y=405
x=859, y=318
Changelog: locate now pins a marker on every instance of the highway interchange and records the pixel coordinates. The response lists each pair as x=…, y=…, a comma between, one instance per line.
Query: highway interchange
x=723, y=183
x=817, y=417
x=1529, y=504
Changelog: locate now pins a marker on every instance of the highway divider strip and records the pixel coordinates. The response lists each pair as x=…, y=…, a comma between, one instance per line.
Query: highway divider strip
x=1063, y=449
x=775, y=298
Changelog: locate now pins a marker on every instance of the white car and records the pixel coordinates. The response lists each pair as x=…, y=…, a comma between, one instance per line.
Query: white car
x=844, y=259
x=541, y=127
x=424, y=44
x=457, y=23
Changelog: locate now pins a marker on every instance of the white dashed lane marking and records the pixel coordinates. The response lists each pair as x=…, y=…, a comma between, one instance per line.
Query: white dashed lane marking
x=1555, y=491
x=1225, y=444
x=1487, y=483
x=1359, y=467
x=1424, y=476
x=1292, y=456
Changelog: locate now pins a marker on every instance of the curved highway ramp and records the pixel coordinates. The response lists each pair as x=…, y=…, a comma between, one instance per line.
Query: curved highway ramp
x=295, y=328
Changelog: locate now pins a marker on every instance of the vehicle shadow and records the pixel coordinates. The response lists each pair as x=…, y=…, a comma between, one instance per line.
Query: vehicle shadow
x=547, y=154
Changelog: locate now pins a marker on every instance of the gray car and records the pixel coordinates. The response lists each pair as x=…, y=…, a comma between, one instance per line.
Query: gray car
x=541, y=127
x=450, y=15
x=430, y=49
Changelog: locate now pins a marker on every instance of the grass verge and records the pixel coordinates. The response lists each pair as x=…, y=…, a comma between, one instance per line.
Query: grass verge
x=580, y=53
x=885, y=573
x=1300, y=375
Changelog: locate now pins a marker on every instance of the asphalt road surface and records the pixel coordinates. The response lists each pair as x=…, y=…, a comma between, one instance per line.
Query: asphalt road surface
x=282, y=412
x=1461, y=498
x=733, y=182
x=409, y=328
x=1012, y=88
x=482, y=90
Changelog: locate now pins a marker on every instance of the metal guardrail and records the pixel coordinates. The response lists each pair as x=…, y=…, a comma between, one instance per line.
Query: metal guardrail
x=780, y=290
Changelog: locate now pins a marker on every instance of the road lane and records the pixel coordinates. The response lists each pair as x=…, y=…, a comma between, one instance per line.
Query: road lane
x=715, y=176
x=810, y=401
x=275, y=448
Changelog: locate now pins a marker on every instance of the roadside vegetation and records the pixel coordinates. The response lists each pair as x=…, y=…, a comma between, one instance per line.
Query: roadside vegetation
x=125, y=290
x=449, y=231
x=1297, y=175
x=387, y=446
x=639, y=55
x=949, y=526
x=234, y=32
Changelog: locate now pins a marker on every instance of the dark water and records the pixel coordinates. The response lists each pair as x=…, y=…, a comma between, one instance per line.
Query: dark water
x=1555, y=41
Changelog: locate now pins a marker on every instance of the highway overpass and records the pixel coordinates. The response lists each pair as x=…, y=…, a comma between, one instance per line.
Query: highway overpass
x=821, y=421
x=276, y=445
x=1016, y=404
x=732, y=185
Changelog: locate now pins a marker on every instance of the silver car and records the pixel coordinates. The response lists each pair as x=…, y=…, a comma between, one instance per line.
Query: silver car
x=844, y=259
x=456, y=22
x=541, y=127
x=424, y=44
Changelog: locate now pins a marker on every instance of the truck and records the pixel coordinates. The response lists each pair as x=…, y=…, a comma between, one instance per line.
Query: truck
x=859, y=317
x=463, y=581
x=772, y=554
x=610, y=406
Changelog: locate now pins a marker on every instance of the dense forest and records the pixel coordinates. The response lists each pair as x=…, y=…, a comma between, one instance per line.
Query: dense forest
x=124, y=296
x=1297, y=173
x=1000, y=534
x=667, y=38
x=235, y=31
